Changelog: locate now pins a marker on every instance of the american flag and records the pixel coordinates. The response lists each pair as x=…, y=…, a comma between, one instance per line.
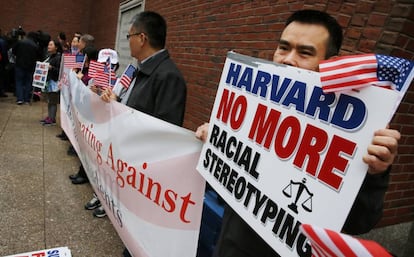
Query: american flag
x=127, y=76
x=102, y=73
x=328, y=243
x=73, y=61
x=356, y=71
x=94, y=67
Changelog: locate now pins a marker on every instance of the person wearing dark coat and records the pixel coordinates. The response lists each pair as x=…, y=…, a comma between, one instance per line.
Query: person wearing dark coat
x=27, y=53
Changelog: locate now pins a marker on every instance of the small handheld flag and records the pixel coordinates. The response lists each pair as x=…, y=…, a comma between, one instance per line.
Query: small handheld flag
x=73, y=61
x=356, y=71
x=328, y=243
x=102, y=73
x=127, y=76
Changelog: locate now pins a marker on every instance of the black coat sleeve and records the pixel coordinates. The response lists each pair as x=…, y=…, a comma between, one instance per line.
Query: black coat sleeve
x=369, y=203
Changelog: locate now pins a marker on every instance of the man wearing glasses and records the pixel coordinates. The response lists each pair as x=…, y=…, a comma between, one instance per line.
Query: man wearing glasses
x=159, y=88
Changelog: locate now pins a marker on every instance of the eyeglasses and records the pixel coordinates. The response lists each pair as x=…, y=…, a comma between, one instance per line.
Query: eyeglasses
x=133, y=34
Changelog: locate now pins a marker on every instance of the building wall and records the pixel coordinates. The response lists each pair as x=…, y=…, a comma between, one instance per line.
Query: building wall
x=201, y=32
x=49, y=16
x=98, y=18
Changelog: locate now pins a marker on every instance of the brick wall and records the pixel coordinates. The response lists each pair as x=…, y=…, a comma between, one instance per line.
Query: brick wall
x=60, y=15
x=103, y=19
x=201, y=32
x=97, y=17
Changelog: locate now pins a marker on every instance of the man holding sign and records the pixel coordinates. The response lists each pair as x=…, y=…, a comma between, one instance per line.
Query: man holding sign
x=308, y=38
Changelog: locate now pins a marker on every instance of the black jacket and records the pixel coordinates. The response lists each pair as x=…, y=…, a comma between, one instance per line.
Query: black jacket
x=27, y=53
x=160, y=89
x=54, y=66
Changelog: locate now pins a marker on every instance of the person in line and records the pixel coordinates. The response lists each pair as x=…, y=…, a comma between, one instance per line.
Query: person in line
x=74, y=45
x=4, y=60
x=73, y=49
x=27, y=53
x=103, y=55
x=84, y=41
x=63, y=42
x=54, y=49
x=309, y=37
x=91, y=53
x=159, y=89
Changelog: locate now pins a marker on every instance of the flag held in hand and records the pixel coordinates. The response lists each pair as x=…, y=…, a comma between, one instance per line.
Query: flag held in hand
x=73, y=61
x=127, y=76
x=357, y=71
x=328, y=243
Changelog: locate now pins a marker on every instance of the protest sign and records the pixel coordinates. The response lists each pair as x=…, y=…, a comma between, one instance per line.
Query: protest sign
x=52, y=252
x=142, y=169
x=40, y=74
x=281, y=152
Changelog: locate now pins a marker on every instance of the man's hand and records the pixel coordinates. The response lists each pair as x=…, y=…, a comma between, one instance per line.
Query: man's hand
x=107, y=95
x=201, y=132
x=94, y=89
x=382, y=150
x=79, y=75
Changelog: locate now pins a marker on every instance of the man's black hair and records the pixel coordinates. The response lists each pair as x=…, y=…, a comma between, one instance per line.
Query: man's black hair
x=91, y=52
x=153, y=25
x=62, y=36
x=327, y=21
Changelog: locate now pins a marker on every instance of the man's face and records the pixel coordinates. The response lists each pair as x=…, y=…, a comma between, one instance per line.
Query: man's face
x=136, y=42
x=302, y=45
x=81, y=45
x=75, y=42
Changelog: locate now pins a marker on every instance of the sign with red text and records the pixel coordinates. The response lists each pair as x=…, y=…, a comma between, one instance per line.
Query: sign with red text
x=40, y=74
x=52, y=252
x=281, y=152
x=142, y=169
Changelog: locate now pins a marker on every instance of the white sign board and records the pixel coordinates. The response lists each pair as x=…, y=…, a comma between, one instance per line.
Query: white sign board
x=281, y=152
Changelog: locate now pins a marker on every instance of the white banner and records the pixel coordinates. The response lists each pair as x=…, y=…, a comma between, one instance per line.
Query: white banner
x=143, y=170
x=282, y=153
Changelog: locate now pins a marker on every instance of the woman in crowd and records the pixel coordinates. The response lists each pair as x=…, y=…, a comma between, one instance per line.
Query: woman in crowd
x=54, y=50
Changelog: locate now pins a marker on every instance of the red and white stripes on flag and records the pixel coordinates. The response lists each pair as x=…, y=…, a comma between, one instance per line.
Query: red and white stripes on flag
x=127, y=76
x=348, y=72
x=356, y=71
x=101, y=74
x=328, y=243
x=73, y=61
x=95, y=67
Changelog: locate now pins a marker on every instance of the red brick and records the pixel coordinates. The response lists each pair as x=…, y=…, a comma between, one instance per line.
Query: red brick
x=354, y=33
x=358, y=20
x=371, y=33
x=401, y=10
x=376, y=19
x=367, y=45
x=383, y=6
x=408, y=28
x=364, y=7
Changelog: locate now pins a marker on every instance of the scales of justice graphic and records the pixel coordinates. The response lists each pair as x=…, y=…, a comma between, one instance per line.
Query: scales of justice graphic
x=306, y=200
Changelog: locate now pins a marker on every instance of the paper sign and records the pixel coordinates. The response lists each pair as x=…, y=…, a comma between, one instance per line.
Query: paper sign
x=281, y=152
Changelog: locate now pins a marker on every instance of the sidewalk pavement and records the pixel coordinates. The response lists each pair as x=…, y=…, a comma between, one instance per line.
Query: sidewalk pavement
x=39, y=206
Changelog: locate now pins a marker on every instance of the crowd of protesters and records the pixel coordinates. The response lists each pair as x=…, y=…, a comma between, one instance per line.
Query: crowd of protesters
x=19, y=52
